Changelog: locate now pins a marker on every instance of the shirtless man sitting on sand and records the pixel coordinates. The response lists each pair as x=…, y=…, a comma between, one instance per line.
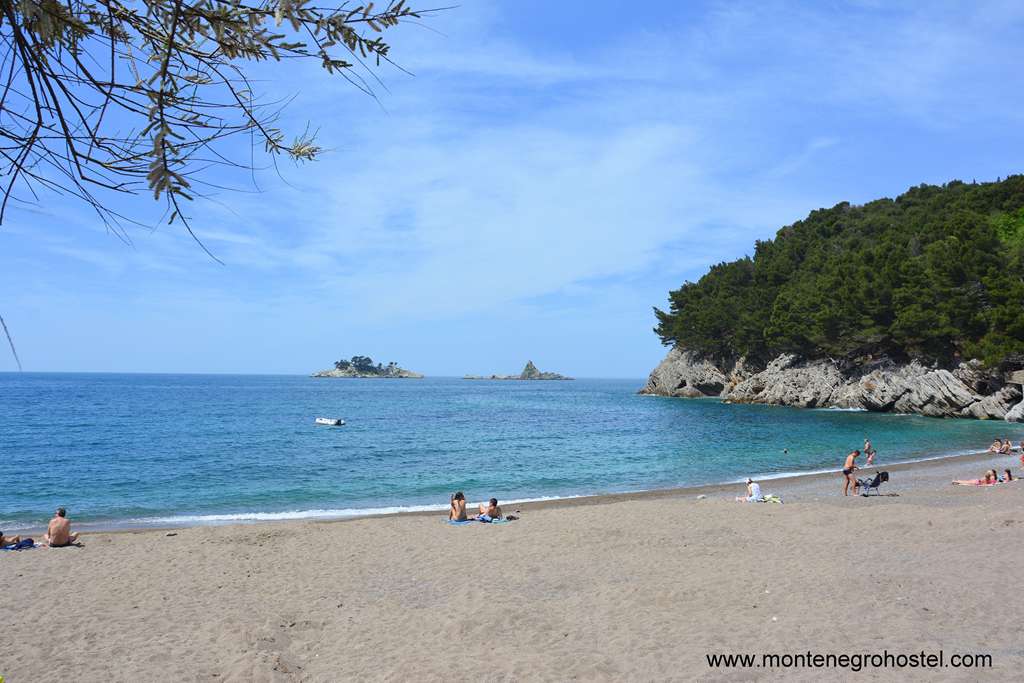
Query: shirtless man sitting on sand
x=490, y=511
x=58, y=532
x=848, y=469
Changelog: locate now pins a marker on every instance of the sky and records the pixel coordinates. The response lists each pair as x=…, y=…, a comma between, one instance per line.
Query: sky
x=543, y=179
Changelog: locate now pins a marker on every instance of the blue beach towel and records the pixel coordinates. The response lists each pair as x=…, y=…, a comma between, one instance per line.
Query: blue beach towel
x=460, y=522
x=23, y=544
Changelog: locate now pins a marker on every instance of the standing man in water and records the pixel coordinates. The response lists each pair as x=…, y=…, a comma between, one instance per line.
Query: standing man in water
x=58, y=532
x=849, y=467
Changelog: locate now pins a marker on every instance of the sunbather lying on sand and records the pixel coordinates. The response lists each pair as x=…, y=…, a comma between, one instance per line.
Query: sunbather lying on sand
x=1008, y=476
x=990, y=480
x=8, y=540
x=489, y=511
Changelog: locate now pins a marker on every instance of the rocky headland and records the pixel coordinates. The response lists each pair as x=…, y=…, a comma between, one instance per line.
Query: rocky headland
x=529, y=372
x=880, y=385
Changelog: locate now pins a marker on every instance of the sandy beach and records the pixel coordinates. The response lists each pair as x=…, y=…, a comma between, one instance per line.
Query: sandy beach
x=640, y=586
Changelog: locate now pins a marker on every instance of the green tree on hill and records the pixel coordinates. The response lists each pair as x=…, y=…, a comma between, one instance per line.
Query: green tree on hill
x=936, y=274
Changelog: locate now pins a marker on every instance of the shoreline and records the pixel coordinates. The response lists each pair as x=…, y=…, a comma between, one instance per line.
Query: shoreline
x=925, y=472
x=628, y=586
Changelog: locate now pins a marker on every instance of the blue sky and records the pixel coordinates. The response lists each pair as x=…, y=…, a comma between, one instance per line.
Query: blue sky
x=551, y=171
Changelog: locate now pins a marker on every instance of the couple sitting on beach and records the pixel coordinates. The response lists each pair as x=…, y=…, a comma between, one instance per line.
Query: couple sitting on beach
x=489, y=511
x=58, y=534
x=991, y=479
x=1004, y=447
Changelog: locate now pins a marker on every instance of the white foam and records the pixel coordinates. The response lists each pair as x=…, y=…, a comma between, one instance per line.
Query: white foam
x=351, y=513
x=844, y=410
x=862, y=466
x=14, y=526
x=340, y=513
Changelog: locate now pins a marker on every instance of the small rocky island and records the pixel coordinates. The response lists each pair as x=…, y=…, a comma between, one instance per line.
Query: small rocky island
x=529, y=372
x=363, y=366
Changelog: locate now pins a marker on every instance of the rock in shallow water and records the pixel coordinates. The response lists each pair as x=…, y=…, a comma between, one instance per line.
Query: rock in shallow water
x=1016, y=413
x=685, y=375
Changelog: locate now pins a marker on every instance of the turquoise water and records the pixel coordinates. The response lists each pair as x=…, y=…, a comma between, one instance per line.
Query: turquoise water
x=155, y=449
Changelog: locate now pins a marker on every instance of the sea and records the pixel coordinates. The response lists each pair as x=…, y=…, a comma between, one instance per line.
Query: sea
x=146, y=450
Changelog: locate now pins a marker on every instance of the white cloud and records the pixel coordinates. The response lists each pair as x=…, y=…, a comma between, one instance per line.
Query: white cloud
x=523, y=178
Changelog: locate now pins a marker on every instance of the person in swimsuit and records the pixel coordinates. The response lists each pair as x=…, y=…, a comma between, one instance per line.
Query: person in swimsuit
x=58, y=532
x=458, y=508
x=849, y=467
x=990, y=480
x=996, y=446
x=1006, y=447
x=8, y=540
x=1009, y=476
x=489, y=511
x=869, y=451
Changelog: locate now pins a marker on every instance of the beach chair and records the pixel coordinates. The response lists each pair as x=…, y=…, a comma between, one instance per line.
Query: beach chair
x=868, y=485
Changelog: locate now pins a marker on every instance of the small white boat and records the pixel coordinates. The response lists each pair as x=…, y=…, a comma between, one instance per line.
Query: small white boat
x=330, y=421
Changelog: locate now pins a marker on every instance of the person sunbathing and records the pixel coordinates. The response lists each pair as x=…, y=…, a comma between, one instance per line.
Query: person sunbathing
x=458, y=508
x=753, y=492
x=996, y=446
x=489, y=511
x=1006, y=447
x=1009, y=476
x=8, y=540
x=990, y=480
x=58, y=531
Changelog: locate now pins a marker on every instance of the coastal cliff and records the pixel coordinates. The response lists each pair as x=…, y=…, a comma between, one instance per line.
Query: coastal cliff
x=875, y=306
x=529, y=372
x=967, y=390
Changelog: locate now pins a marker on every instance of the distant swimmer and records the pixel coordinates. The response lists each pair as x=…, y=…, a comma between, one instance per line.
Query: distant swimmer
x=849, y=467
